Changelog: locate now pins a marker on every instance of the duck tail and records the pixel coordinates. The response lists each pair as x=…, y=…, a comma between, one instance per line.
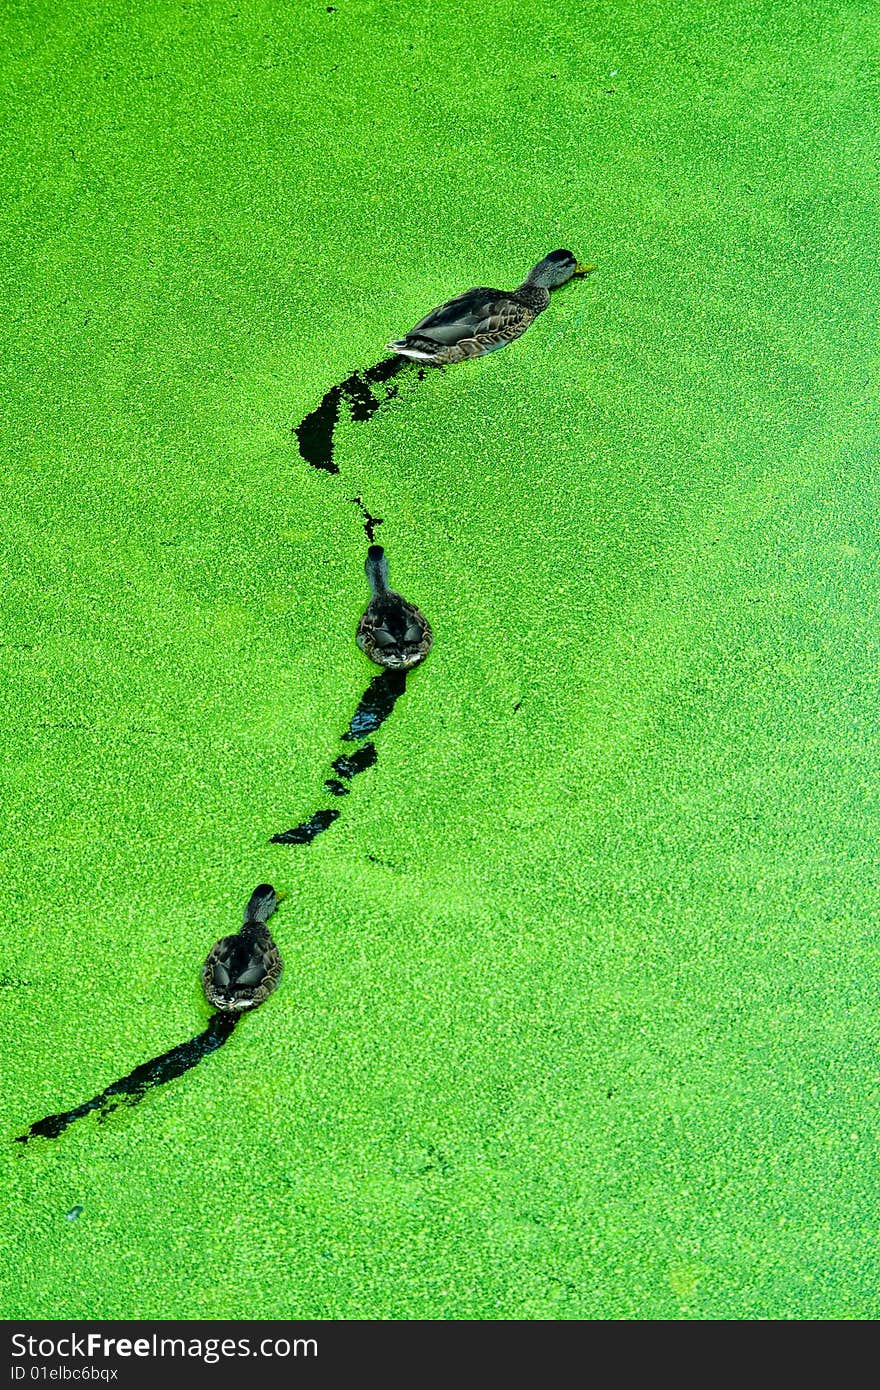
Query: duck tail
x=261, y=904
x=419, y=349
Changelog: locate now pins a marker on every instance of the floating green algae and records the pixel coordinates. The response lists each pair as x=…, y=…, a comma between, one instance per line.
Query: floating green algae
x=578, y=1016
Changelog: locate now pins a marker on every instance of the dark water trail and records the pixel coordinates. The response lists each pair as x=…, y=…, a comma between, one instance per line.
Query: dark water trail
x=370, y=522
x=374, y=707
x=315, y=431
x=362, y=402
x=315, y=438
x=348, y=767
x=305, y=833
x=376, y=703
x=134, y=1087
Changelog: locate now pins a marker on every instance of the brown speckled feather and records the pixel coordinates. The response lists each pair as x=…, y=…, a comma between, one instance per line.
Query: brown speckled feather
x=241, y=971
x=395, y=634
x=392, y=632
x=481, y=319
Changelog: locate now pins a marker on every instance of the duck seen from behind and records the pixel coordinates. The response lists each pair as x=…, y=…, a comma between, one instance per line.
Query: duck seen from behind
x=392, y=632
x=482, y=320
x=243, y=970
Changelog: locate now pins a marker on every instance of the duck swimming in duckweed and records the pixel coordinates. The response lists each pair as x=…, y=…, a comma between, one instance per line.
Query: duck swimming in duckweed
x=392, y=632
x=483, y=320
x=243, y=970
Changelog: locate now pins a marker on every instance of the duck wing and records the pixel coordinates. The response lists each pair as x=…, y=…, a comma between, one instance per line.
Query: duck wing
x=395, y=623
x=470, y=315
x=242, y=960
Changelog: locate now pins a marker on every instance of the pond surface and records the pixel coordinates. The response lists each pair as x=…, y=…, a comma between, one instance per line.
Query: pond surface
x=578, y=1013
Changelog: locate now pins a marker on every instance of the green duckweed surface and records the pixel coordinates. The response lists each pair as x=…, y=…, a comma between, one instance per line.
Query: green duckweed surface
x=579, y=1011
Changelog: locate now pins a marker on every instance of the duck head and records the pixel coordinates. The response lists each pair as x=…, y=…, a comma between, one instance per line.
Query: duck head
x=376, y=570
x=262, y=903
x=556, y=269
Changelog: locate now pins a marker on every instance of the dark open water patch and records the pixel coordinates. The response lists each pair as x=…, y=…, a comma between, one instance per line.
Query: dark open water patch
x=315, y=431
x=349, y=766
x=305, y=833
x=374, y=707
x=370, y=522
x=134, y=1087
